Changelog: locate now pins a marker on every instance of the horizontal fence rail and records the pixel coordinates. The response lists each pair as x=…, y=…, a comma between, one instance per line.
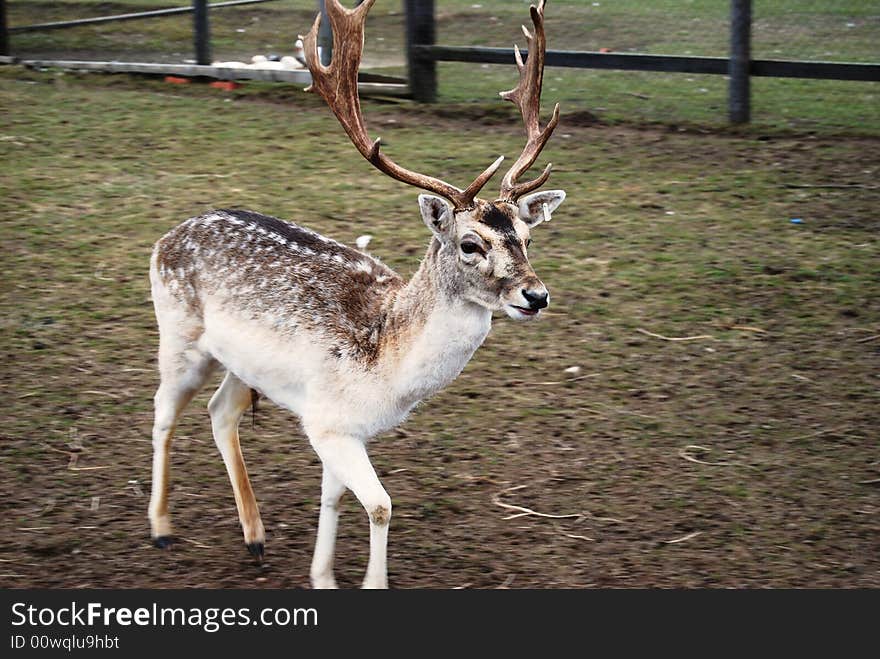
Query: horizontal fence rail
x=662, y=63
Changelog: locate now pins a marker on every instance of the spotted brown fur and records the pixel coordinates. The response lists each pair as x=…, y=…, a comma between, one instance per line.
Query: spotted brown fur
x=263, y=267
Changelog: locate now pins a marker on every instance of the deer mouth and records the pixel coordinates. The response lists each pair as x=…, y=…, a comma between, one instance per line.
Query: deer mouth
x=525, y=311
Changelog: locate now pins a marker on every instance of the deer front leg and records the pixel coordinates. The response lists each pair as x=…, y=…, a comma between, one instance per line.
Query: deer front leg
x=332, y=490
x=346, y=459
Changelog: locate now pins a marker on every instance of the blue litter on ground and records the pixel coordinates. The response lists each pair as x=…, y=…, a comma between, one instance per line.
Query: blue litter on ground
x=796, y=220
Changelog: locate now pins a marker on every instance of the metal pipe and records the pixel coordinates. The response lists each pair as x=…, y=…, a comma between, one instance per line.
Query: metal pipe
x=58, y=25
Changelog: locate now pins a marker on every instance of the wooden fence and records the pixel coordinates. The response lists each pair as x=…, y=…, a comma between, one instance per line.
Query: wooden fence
x=423, y=55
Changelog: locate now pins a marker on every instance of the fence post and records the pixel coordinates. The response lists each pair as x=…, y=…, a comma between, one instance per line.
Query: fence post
x=420, y=31
x=739, y=92
x=201, y=32
x=325, y=35
x=4, y=35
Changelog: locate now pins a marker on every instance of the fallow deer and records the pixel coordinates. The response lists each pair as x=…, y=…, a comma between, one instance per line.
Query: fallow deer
x=329, y=332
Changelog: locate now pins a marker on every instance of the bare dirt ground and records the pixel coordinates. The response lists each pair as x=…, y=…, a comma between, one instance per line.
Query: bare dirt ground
x=744, y=456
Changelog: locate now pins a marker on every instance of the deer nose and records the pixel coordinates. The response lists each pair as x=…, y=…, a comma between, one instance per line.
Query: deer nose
x=536, y=297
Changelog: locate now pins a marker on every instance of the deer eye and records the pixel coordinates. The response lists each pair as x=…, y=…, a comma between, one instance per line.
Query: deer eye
x=471, y=248
x=528, y=241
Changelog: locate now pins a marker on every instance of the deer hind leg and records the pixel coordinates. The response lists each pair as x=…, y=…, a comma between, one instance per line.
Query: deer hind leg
x=346, y=459
x=183, y=370
x=332, y=490
x=226, y=408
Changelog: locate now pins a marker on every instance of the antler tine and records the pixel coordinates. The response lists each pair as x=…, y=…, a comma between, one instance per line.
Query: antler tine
x=337, y=84
x=527, y=97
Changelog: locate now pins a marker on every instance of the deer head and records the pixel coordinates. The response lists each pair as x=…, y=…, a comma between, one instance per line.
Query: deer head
x=481, y=246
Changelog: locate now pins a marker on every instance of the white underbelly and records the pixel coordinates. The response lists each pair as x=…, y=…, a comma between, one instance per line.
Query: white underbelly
x=277, y=366
x=297, y=373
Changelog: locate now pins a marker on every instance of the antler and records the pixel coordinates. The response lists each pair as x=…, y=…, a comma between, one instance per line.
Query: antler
x=337, y=84
x=527, y=96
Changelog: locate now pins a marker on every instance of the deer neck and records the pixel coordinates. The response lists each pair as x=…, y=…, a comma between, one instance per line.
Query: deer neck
x=432, y=330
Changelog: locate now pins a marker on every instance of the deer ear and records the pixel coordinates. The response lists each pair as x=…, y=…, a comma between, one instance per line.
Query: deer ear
x=537, y=207
x=436, y=214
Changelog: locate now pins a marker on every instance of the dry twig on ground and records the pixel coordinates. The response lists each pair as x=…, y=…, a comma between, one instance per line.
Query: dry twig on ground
x=521, y=510
x=675, y=338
